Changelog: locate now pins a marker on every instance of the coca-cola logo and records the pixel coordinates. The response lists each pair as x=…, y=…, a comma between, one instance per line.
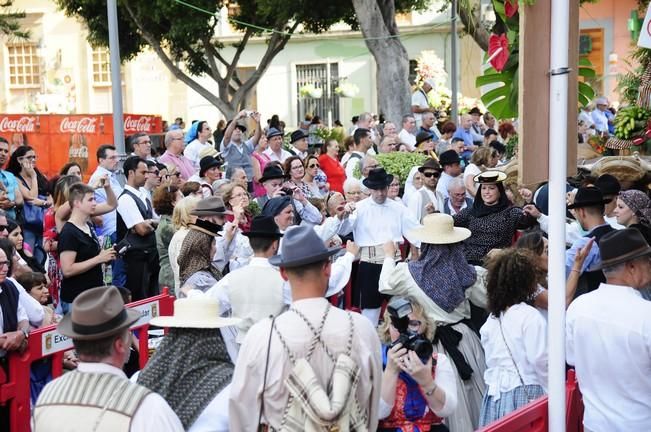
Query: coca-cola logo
x=81, y=125
x=139, y=124
x=23, y=124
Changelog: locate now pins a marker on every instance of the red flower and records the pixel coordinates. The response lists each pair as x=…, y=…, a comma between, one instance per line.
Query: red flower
x=510, y=7
x=498, y=51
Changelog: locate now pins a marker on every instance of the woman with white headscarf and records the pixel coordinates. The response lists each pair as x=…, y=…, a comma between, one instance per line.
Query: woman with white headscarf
x=413, y=183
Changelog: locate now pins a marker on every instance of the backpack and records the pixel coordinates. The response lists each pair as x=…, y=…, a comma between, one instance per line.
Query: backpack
x=310, y=407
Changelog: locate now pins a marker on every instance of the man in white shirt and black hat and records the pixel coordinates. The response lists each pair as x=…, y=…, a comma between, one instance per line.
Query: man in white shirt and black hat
x=608, y=338
x=420, y=101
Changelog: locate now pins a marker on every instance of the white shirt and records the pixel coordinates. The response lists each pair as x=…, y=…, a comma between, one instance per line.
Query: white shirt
x=396, y=223
x=445, y=379
x=442, y=185
x=128, y=208
x=600, y=120
x=573, y=230
x=20, y=313
x=214, y=417
x=407, y=138
x=109, y=220
x=471, y=171
x=351, y=163
x=154, y=414
x=29, y=304
x=608, y=340
x=415, y=204
x=525, y=331
x=193, y=150
x=284, y=154
x=419, y=98
x=612, y=221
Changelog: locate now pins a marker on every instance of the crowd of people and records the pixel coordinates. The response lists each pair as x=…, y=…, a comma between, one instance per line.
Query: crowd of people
x=258, y=235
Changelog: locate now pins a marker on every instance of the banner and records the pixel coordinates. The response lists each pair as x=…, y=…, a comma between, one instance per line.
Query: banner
x=645, y=32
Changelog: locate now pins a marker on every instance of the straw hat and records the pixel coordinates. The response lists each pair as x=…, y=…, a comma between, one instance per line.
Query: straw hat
x=195, y=312
x=438, y=228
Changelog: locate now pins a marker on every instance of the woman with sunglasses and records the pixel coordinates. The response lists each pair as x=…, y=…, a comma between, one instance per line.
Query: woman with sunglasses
x=312, y=168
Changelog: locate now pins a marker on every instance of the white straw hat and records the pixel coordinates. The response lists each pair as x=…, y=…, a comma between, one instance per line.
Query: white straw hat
x=438, y=228
x=196, y=312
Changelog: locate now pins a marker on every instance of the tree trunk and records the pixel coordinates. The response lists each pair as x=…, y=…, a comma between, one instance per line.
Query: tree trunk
x=471, y=18
x=377, y=21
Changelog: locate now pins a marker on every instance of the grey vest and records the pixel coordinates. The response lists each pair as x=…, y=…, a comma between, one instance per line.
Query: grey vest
x=237, y=159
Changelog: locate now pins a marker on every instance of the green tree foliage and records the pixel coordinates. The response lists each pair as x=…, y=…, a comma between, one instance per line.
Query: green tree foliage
x=182, y=33
x=10, y=21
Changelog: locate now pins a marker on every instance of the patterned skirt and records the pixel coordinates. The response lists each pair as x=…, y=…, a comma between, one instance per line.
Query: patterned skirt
x=508, y=402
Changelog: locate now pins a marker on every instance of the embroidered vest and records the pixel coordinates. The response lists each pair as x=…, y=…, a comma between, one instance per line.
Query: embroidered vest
x=82, y=401
x=254, y=293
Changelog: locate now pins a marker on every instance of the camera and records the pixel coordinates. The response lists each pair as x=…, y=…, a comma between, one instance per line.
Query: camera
x=122, y=247
x=288, y=191
x=399, y=309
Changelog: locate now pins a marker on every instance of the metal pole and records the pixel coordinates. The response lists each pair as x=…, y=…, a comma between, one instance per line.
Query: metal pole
x=116, y=81
x=453, y=62
x=558, y=115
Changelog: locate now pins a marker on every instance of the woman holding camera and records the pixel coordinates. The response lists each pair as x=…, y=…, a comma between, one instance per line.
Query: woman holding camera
x=444, y=283
x=416, y=393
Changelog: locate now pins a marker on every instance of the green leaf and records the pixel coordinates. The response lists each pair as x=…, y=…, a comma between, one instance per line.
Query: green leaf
x=587, y=72
x=586, y=94
x=492, y=79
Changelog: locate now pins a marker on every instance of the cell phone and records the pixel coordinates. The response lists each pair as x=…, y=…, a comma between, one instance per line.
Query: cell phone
x=122, y=247
x=287, y=191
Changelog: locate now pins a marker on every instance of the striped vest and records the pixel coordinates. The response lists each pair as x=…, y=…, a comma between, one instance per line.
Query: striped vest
x=80, y=401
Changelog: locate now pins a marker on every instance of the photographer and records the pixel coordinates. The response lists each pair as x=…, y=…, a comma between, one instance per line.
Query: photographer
x=415, y=393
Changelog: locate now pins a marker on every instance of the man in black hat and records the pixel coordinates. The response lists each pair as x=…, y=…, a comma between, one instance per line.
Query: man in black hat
x=298, y=144
x=608, y=338
x=255, y=291
x=588, y=209
x=98, y=395
x=427, y=200
x=451, y=164
x=276, y=152
x=237, y=152
x=477, y=128
x=310, y=337
x=376, y=220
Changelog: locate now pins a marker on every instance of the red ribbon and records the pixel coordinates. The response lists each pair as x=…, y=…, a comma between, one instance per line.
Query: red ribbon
x=646, y=135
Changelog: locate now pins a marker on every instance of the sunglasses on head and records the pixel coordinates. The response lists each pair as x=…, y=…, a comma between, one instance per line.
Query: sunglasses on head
x=432, y=174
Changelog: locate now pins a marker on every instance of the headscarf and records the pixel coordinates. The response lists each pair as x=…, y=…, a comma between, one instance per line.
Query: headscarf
x=410, y=189
x=188, y=369
x=194, y=256
x=479, y=209
x=276, y=205
x=443, y=273
x=192, y=133
x=639, y=203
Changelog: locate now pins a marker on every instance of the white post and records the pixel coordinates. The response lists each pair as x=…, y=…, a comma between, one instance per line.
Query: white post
x=558, y=112
x=454, y=80
x=116, y=80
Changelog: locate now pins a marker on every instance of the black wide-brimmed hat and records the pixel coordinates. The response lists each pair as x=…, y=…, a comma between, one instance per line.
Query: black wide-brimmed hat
x=449, y=157
x=208, y=162
x=475, y=110
x=588, y=197
x=430, y=164
x=263, y=226
x=378, y=179
x=608, y=184
x=297, y=135
x=97, y=313
x=272, y=172
x=620, y=246
x=423, y=136
x=301, y=246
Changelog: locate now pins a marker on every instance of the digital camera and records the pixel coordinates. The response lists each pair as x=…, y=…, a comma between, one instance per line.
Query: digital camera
x=399, y=309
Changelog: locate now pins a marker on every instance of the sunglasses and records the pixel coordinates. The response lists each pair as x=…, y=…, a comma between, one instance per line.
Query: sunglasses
x=4, y=227
x=429, y=174
x=314, y=166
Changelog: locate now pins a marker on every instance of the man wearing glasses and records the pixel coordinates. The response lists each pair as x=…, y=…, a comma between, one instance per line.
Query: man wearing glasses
x=427, y=200
x=174, y=154
x=140, y=144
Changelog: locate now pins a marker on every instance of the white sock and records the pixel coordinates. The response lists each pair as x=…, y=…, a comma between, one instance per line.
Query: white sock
x=373, y=315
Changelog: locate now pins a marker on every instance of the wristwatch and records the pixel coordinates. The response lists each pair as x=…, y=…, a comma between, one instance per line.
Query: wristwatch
x=431, y=392
x=25, y=332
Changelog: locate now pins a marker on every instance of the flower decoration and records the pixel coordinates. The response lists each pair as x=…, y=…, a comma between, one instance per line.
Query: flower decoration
x=347, y=90
x=310, y=91
x=510, y=8
x=498, y=51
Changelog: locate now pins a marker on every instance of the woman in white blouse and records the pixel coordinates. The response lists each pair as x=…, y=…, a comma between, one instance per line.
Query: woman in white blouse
x=514, y=337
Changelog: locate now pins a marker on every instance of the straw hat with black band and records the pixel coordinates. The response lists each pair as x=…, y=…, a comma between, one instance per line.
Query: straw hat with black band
x=490, y=177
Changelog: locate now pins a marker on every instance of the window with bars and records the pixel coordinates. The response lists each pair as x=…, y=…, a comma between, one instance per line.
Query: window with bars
x=24, y=65
x=326, y=77
x=101, y=66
